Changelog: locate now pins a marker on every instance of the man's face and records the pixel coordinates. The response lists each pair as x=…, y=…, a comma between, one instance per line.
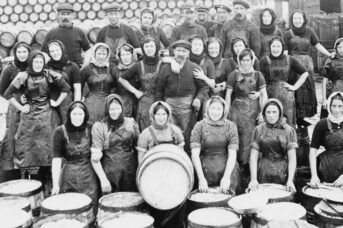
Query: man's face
x=65, y=17
x=181, y=54
x=240, y=11
x=189, y=15
x=222, y=15
x=201, y=17
x=114, y=17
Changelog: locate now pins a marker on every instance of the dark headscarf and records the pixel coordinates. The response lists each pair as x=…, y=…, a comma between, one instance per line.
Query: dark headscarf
x=216, y=59
x=70, y=127
x=59, y=64
x=150, y=60
x=193, y=57
x=151, y=11
x=281, y=122
x=267, y=29
x=33, y=54
x=283, y=47
x=113, y=125
x=233, y=42
x=152, y=111
x=298, y=31
x=22, y=66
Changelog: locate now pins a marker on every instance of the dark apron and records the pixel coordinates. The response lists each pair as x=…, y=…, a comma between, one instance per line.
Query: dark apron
x=120, y=161
x=114, y=44
x=218, y=71
x=148, y=85
x=330, y=164
x=78, y=174
x=338, y=83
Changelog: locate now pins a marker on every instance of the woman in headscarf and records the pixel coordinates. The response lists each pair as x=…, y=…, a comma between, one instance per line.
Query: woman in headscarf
x=148, y=27
x=332, y=75
x=72, y=142
x=97, y=76
x=214, y=144
x=237, y=45
x=70, y=72
x=268, y=30
x=276, y=68
x=145, y=72
x=33, y=146
x=114, y=157
x=328, y=166
x=277, y=142
x=298, y=41
x=245, y=94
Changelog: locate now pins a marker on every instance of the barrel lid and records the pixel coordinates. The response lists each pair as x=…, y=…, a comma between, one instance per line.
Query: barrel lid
x=214, y=216
x=335, y=195
x=66, y=201
x=121, y=199
x=273, y=191
x=14, y=202
x=11, y=218
x=213, y=195
x=282, y=211
x=324, y=207
x=248, y=203
x=18, y=187
x=127, y=220
x=317, y=192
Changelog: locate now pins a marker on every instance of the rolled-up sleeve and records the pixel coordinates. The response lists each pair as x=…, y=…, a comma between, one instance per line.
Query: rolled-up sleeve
x=196, y=135
x=255, y=139
x=98, y=136
x=233, y=136
x=292, y=142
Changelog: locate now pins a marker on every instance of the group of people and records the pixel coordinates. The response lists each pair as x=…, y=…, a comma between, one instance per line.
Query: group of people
x=231, y=94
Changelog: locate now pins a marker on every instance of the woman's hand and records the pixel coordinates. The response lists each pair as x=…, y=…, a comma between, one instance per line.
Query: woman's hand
x=54, y=103
x=23, y=99
x=289, y=87
x=25, y=108
x=225, y=184
x=339, y=181
x=105, y=186
x=253, y=185
x=324, y=104
x=175, y=67
x=314, y=183
x=55, y=190
x=203, y=186
x=290, y=186
x=254, y=95
x=199, y=74
x=55, y=75
x=219, y=87
x=259, y=118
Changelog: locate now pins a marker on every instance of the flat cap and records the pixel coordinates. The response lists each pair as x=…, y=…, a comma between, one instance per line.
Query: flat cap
x=245, y=3
x=113, y=7
x=65, y=7
x=221, y=6
x=202, y=9
x=189, y=6
x=181, y=43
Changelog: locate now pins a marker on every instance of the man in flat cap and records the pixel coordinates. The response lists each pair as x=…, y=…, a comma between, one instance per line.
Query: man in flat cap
x=240, y=27
x=73, y=38
x=203, y=19
x=116, y=33
x=181, y=91
x=222, y=14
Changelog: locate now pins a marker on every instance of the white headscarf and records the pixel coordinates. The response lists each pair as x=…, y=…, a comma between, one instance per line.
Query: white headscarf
x=251, y=68
x=331, y=117
x=93, y=59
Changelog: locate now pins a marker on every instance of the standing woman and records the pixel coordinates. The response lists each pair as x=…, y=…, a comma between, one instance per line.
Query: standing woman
x=328, y=166
x=72, y=142
x=34, y=141
x=214, y=144
x=277, y=142
x=298, y=41
x=70, y=72
x=245, y=94
x=237, y=45
x=268, y=29
x=114, y=139
x=276, y=68
x=97, y=76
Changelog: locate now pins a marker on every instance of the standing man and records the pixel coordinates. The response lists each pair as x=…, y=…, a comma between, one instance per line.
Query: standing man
x=240, y=27
x=183, y=92
x=222, y=14
x=116, y=33
x=73, y=38
x=203, y=19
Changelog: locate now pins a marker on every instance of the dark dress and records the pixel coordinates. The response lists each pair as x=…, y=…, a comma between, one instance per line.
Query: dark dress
x=265, y=39
x=223, y=68
x=153, y=31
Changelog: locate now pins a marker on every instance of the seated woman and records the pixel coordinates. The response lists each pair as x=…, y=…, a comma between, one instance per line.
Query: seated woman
x=214, y=144
x=277, y=141
x=328, y=133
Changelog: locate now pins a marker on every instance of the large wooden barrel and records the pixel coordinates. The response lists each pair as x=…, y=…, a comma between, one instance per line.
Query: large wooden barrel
x=127, y=219
x=61, y=220
x=16, y=203
x=214, y=217
x=4, y=52
x=77, y=204
x=26, y=34
x=40, y=35
x=8, y=37
x=120, y=201
x=30, y=189
x=93, y=33
x=328, y=29
x=15, y=218
x=326, y=217
x=165, y=176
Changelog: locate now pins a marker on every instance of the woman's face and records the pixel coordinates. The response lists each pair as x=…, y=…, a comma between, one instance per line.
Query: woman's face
x=126, y=57
x=272, y=114
x=150, y=49
x=267, y=18
x=340, y=49
x=216, y=111
x=38, y=64
x=55, y=52
x=101, y=54
x=22, y=54
x=77, y=116
x=214, y=49
x=147, y=19
x=115, y=110
x=239, y=46
x=161, y=116
x=276, y=48
x=197, y=46
x=246, y=62
x=337, y=108
x=298, y=19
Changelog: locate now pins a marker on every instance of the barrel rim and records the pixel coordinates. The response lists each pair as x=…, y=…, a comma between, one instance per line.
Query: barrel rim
x=44, y=217
x=114, y=215
x=23, y=194
x=318, y=212
x=197, y=191
x=27, y=205
x=115, y=208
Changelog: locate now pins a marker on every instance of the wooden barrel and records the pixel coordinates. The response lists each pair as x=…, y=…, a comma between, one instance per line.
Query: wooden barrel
x=4, y=52
x=93, y=33
x=275, y=193
x=26, y=35
x=15, y=218
x=328, y=29
x=304, y=147
x=8, y=37
x=62, y=220
x=127, y=219
x=16, y=203
x=72, y=203
x=120, y=201
x=30, y=189
x=167, y=27
x=165, y=176
x=248, y=203
x=40, y=35
x=326, y=217
x=214, y=217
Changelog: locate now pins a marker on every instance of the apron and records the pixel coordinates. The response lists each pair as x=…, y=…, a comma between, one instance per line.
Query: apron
x=330, y=165
x=276, y=89
x=120, y=160
x=78, y=174
x=337, y=66
x=218, y=71
x=148, y=85
x=114, y=44
x=244, y=112
x=305, y=96
x=99, y=84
